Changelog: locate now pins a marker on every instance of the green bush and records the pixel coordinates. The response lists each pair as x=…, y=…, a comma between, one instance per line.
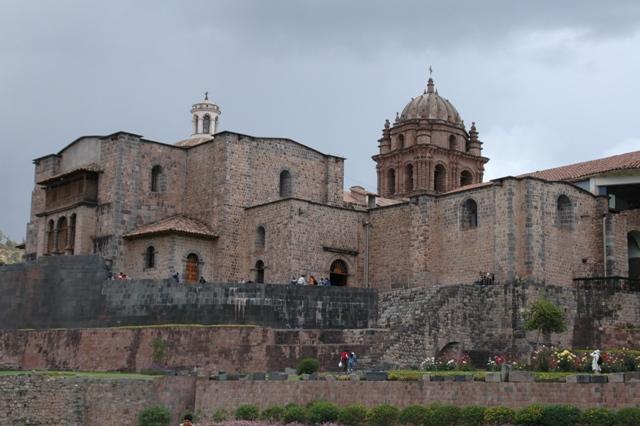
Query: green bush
x=416, y=415
x=529, y=416
x=322, y=412
x=156, y=415
x=471, y=415
x=247, y=412
x=273, y=413
x=628, y=417
x=383, y=415
x=353, y=415
x=597, y=417
x=560, y=415
x=308, y=366
x=220, y=415
x=498, y=415
x=294, y=413
x=443, y=415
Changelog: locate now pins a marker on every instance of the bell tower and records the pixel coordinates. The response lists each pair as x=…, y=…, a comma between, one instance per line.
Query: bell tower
x=427, y=149
x=205, y=115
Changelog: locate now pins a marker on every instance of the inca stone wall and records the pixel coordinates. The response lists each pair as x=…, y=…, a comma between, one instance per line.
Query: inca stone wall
x=72, y=292
x=233, y=349
x=44, y=400
x=423, y=322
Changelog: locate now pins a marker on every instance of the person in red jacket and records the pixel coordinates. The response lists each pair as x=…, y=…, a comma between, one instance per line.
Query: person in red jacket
x=344, y=360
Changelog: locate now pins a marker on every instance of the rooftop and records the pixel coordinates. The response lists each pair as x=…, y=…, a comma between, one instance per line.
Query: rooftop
x=586, y=169
x=177, y=224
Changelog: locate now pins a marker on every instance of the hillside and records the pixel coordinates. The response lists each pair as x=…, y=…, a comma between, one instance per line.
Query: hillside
x=8, y=251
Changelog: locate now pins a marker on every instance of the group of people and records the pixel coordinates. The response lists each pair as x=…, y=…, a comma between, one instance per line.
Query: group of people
x=348, y=361
x=485, y=278
x=302, y=280
x=176, y=277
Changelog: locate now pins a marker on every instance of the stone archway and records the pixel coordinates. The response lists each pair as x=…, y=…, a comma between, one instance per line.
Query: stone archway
x=339, y=273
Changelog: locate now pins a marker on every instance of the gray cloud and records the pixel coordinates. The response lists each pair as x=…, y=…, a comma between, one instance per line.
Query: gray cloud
x=548, y=82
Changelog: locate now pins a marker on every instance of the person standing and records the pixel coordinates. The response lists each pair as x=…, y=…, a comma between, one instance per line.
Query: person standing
x=344, y=361
x=352, y=362
x=302, y=280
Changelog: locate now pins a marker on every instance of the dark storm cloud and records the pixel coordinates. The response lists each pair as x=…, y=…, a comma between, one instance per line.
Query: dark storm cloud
x=548, y=82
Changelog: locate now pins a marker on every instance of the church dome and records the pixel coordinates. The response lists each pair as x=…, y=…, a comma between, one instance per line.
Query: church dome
x=432, y=106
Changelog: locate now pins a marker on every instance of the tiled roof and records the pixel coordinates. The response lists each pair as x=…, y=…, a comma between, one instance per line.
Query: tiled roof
x=350, y=198
x=468, y=187
x=173, y=225
x=579, y=171
x=92, y=167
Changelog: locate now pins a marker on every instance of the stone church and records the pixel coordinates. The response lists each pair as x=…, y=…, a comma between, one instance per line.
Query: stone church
x=227, y=206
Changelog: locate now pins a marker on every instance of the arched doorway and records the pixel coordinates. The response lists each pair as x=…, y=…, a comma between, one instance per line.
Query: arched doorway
x=633, y=249
x=260, y=272
x=191, y=269
x=339, y=273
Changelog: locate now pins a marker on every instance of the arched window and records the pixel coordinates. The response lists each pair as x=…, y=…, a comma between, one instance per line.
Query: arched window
x=259, y=272
x=156, y=173
x=206, y=124
x=195, y=124
x=72, y=233
x=452, y=142
x=408, y=178
x=633, y=250
x=339, y=273
x=63, y=235
x=150, y=258
x=391, y=182
x=440, y=178
x=466, y=178
x=285, y=183
x=192, y=268
x=564, y=212
x=260, y=238
x=469, y=214
x=51, y=235
x=400, y=141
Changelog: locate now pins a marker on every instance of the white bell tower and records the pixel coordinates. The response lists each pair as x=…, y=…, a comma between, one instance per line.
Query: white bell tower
x=205, y=115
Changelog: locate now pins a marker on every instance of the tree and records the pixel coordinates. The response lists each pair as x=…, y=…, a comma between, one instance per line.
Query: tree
x=546, y=317
x=8, y=251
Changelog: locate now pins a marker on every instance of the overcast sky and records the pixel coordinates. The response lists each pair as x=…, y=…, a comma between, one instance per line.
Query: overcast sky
x=547, y=82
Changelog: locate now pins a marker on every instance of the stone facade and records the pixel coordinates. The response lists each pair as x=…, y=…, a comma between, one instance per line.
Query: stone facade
x=228, y=207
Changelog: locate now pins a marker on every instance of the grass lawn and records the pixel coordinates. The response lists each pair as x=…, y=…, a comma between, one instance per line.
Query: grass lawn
x=87, y=374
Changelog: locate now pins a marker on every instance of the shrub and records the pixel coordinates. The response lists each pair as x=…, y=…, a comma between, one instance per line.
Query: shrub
x=498, y=415
x=597, y=417
x=308, y=366
x=414, y=415
x=247, y=412
x=560, y=415
x=156, y=415
x=322, y=412
x=294, y=413
x=529, y=416
x=273, y=413
x=220, y=415
x=628, y=417
x=443, y=415
x=471, y=415
x=353, y=415
x=383, y=415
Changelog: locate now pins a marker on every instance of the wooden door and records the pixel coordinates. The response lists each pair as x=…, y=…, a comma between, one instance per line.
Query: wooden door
x=191, y=269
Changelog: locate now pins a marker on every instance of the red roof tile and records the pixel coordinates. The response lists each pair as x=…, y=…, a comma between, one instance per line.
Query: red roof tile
x=173, y=225
x=579, y=171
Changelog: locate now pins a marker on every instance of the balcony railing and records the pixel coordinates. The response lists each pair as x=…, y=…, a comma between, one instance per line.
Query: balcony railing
x=609, y=284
